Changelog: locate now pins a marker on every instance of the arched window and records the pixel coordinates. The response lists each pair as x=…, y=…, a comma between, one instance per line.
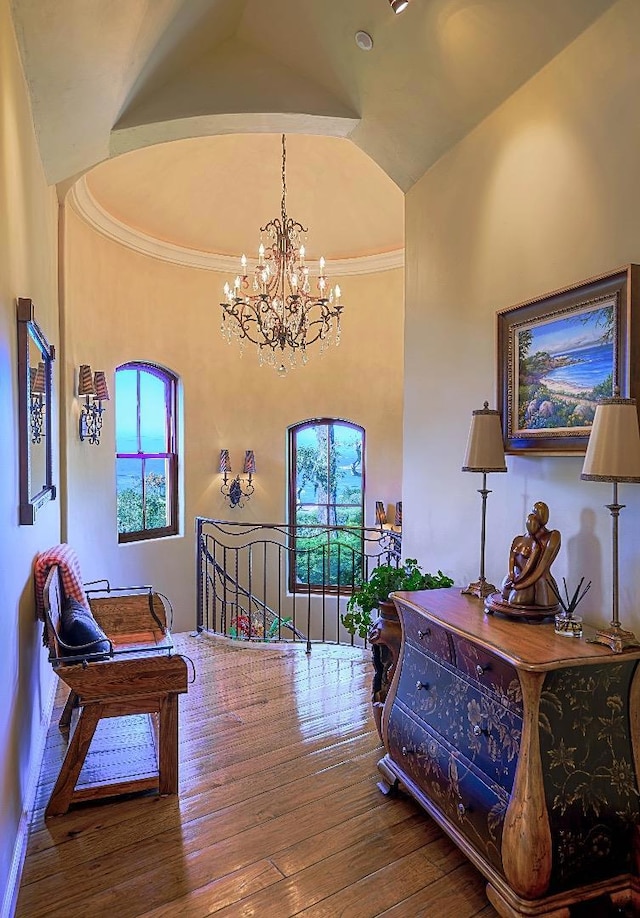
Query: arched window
x=326, y=490
x=146, y=452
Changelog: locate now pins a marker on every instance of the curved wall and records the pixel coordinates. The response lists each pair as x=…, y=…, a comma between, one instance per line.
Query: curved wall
x=28, y=249
x=121, y=305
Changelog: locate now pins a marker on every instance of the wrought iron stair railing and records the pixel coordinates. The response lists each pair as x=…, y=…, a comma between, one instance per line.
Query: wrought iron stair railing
x=276, y=582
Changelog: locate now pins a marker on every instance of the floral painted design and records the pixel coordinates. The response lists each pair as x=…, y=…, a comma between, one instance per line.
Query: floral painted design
x=591, y=786
x=483, y=722
x=447, y=779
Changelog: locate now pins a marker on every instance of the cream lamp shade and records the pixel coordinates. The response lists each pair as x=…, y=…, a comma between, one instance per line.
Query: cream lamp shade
x=485, y=447
x=613, y=452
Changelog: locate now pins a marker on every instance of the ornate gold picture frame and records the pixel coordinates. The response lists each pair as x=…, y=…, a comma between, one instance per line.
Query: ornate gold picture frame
x=560, y=353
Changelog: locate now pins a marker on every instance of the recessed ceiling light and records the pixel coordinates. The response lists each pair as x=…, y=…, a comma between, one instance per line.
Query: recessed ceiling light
x=399, y=5
x=364, y=41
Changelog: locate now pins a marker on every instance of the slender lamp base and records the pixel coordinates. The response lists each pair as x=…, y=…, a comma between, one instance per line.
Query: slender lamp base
x=480, y=588
x=617, y=639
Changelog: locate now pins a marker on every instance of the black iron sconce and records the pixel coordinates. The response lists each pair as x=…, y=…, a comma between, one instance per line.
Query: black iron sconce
x=37, y=386
x=237, y=491
x=93, y=386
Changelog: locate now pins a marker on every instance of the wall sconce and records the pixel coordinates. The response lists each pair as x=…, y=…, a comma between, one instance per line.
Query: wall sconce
x=399, y=5
x=92, y=386
x=237, y=491
x=36, y=402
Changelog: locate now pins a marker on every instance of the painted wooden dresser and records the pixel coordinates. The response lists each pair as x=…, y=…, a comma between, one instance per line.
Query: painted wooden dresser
x=524, y=746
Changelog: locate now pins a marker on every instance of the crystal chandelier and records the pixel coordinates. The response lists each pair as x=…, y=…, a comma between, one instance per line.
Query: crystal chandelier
x=272, y=305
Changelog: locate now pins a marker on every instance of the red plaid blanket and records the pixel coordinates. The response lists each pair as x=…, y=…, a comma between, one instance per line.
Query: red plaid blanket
x=67, y=560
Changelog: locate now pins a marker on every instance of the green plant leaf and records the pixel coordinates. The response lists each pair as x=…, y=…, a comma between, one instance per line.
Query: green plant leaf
x=383, y=580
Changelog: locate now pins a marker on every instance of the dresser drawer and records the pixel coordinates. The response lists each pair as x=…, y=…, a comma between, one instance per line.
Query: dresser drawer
x=425, y=635
x=475, y=806
x=466, y=715
x=489, y=671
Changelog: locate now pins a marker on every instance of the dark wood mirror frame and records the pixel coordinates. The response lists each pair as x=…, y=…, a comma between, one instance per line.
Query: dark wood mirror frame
x=30, y=334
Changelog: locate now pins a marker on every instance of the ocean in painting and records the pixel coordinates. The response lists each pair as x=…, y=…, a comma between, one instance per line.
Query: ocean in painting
x=563, y=365
x=590, y=367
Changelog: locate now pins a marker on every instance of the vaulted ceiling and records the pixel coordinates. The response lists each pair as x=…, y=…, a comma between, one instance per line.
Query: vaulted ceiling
x=108, y=77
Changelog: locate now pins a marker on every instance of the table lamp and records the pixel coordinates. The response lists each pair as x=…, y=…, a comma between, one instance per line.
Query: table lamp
x=485, y=453
x=613, y=454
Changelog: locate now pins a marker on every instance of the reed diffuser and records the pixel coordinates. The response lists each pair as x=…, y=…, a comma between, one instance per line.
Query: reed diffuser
x=566, y=623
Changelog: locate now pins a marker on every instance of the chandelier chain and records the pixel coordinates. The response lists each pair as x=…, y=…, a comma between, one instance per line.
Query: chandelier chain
x=275, y=309
x=284, y=182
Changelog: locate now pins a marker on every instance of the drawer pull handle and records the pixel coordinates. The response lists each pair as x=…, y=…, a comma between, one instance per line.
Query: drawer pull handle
x=462, y=809
x=477, y=730
x=425, y=633
x=406, y=751
x=422, y=685
x=481, y=670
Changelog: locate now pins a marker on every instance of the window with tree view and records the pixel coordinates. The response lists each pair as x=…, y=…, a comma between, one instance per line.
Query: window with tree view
x=326, y=497
x=146, y=457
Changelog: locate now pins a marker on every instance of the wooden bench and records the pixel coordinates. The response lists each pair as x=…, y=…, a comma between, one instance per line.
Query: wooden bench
x=140, y=675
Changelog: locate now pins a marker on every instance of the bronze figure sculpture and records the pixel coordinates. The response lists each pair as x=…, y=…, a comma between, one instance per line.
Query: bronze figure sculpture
x=529, y=589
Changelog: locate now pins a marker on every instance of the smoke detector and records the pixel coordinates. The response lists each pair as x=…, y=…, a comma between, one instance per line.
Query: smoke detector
x=364, y=41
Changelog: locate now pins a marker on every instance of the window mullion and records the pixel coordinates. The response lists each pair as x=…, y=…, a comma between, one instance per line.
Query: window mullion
x=138, y=417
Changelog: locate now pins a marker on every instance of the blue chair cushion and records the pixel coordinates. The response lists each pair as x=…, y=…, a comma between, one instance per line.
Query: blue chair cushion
x=78, y=628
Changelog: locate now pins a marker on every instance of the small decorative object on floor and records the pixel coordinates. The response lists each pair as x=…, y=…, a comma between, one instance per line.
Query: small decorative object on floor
x=566, y=623
x=529, y=591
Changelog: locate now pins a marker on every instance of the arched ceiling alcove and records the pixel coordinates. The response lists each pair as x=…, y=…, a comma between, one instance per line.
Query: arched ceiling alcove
x=209, y=196
x=109, y=76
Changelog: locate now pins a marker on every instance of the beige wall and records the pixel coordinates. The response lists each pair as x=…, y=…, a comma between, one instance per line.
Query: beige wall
x=544, y=193
x=28, y=211
x=122, y=306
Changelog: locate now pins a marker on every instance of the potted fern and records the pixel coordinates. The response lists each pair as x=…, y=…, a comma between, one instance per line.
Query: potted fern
x=385, y=579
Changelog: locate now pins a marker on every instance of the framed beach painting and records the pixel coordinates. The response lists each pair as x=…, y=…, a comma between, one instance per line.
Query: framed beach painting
x=559, y=354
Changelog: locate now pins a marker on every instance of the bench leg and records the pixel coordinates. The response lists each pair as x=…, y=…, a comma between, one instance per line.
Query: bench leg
x=65, y=718
x=168, y=745
x=62, y=793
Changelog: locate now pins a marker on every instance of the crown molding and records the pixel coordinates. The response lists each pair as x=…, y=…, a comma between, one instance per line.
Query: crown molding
x=86, y=206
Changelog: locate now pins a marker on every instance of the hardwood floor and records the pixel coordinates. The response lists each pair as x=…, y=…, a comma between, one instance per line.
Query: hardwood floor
x=278, y=813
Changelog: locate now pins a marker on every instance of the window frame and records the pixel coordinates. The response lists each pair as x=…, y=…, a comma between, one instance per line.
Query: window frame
x=293, y=431
x=170, y=381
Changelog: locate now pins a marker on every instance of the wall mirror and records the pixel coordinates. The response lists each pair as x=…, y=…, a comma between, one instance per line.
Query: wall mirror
x=35, y=360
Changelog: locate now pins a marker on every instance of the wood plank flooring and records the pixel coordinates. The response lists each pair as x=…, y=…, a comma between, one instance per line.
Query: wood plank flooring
x=278, y=813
